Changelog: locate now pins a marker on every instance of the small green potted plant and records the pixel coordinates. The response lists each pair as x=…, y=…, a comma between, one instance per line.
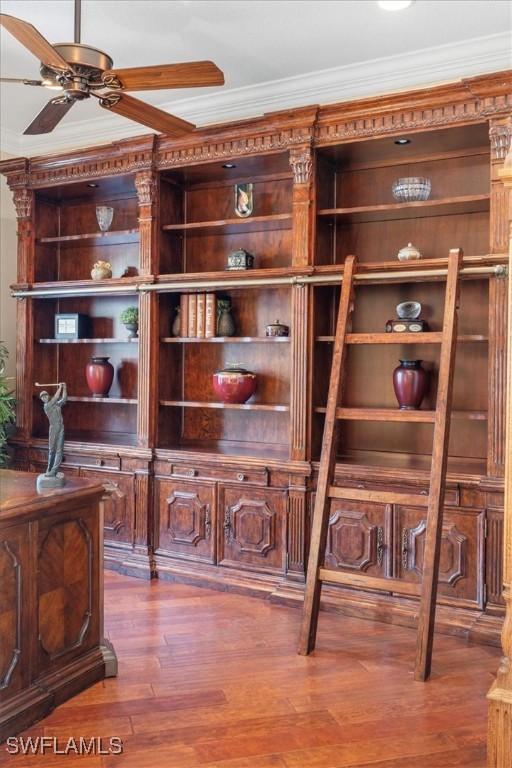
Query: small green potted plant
x=130, y=319
x=7, y=402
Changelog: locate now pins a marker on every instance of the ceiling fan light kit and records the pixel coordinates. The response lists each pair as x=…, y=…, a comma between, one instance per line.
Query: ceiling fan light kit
x=80, y=71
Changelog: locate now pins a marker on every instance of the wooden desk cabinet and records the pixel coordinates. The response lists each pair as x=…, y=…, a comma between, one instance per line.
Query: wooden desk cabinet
x=51, y=601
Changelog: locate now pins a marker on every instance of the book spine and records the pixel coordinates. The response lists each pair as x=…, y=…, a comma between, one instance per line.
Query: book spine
x=201, y=315
x=184, y=314
x=210, y=316
x=192, y=316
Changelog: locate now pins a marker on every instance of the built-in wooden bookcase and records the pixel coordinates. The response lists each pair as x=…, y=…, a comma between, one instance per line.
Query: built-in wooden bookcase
x=358, y=214
x=370, y=368
x=220, y=494
x=191, y=416
x=68, y=240
x=199, y=225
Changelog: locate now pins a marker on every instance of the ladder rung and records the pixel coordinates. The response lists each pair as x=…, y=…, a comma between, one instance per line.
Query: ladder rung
x=370, y=582
x=385, y=497
x=394, y=338
x=385, y=414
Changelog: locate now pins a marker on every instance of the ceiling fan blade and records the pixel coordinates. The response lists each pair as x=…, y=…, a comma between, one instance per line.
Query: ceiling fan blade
x=20, y=80
x=192, y=74
x=50, y=115
x=33, y=40
x=137, y=110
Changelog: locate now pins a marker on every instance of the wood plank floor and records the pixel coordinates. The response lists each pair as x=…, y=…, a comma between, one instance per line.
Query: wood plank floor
x=213, y=680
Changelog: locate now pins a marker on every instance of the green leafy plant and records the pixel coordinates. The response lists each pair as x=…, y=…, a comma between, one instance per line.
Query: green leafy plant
x=130, y=316
x=7, y=402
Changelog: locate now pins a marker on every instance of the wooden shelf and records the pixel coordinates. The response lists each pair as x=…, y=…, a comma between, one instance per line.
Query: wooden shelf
x=232, y=226
x=228, y=448
x=420, y=209
x=235, y=406
x=396, y=414
x=89, y=341
x=225, y=340
x=403, y=338
x=114, y=237
x=112, y=400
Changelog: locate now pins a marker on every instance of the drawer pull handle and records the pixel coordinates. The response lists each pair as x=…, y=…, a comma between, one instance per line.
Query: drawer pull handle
x=380, y=545
x=405, y=549
x=240, y=476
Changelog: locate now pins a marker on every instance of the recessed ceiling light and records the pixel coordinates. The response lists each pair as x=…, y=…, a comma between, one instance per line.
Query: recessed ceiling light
x=229, y=165
x=93, y=186
x=402, y=141
x=394, y=5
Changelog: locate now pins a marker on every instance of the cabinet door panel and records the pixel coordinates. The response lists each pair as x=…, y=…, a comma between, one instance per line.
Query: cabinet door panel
x=253, y=529
x=14, y=610
x=185, y=523
x=461, y=562
x=67, y=586
x=118, y=504
x=359, y=537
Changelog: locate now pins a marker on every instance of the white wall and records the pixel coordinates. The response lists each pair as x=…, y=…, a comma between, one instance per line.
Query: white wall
x=8, y=253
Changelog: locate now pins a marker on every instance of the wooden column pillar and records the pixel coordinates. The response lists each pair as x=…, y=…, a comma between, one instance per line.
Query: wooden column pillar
x=24, y=203
x=499, y=741
x=301, y=161
x=146, y=183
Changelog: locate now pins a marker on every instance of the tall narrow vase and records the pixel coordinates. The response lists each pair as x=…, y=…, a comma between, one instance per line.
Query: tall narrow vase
x=100, y=375
x=410, y=384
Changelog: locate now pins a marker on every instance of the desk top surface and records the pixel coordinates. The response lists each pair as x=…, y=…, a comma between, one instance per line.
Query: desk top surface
x=18, y=492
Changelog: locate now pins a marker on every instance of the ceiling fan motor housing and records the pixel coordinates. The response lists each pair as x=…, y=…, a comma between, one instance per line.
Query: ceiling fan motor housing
x=88, y=65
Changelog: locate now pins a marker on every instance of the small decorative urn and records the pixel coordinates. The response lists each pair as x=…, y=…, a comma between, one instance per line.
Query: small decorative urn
x=101, y=270
x=410, y=384
x=100, y=375
x=233, y=384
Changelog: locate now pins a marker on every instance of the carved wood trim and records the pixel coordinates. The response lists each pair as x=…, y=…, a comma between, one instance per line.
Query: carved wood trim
x=500, y=133
x=497, y=376
x=6, y=677
x=142, y=510
x=24, y=366
x=232, y=526
x=296, y=530
x=299, y=411
x=147, y=411
x=494, y=556
x=202, y=530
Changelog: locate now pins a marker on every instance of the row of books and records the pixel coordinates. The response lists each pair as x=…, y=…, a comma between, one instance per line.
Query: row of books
x=198, y=315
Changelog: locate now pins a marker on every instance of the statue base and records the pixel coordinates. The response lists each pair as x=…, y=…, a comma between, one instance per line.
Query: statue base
x=46, y=482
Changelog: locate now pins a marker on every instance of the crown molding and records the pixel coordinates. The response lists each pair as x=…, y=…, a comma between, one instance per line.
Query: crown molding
x=403, y=71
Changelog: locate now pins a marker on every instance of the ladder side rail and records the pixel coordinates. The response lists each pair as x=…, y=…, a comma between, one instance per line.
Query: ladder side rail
x=318, y=538
x=438, y=472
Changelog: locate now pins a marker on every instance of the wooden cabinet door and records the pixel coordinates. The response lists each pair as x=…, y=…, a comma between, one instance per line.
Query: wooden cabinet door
x=118, y=504
x=15, y=610
x=185, y=519
x=252, y=528
x=461, y=566
x=68, y=583
x=359, y=537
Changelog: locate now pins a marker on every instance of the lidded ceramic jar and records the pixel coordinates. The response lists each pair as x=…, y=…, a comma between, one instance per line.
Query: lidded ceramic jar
x=277, y=329
x=234, y=384
x=409, y=253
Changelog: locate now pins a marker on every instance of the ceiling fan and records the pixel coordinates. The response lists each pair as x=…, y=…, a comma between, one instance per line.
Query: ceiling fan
x=80, y=71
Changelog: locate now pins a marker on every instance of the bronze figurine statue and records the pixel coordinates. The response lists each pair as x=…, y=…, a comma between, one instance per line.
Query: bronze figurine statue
x=52, y=478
